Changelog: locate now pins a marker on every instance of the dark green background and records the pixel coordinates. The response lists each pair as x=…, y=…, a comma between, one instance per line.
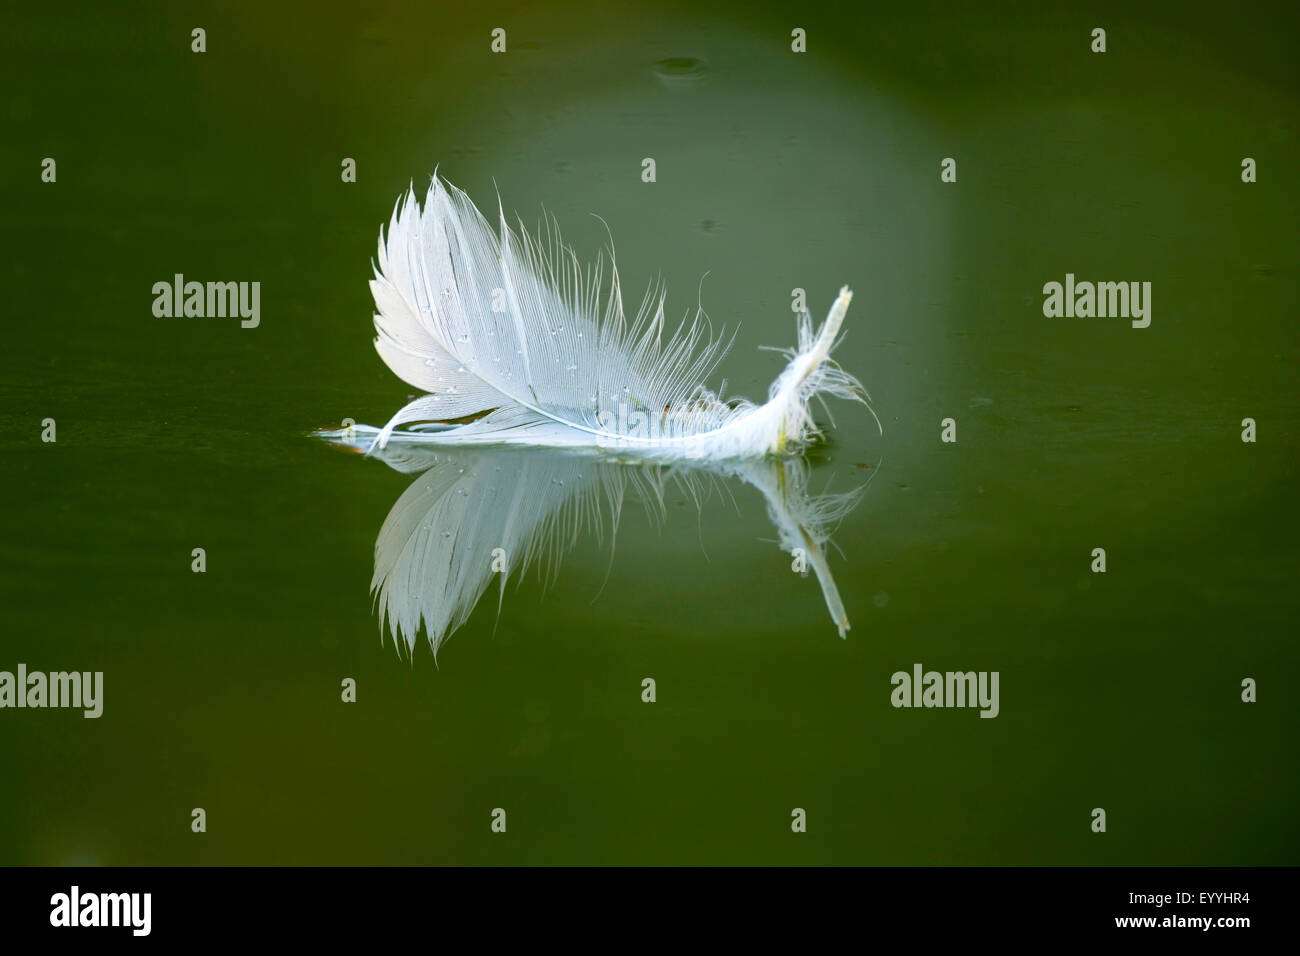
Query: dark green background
x=775, y=171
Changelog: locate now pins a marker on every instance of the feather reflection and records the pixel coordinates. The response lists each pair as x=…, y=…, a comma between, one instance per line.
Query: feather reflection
x=475, y=513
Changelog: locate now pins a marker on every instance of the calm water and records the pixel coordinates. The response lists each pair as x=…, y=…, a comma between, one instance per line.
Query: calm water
x=775, y=171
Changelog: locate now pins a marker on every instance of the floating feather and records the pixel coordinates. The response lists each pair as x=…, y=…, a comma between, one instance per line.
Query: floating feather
x=511, y=332
x=515, y=344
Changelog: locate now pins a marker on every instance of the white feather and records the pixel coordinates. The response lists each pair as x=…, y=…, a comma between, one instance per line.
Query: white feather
x=511, y=329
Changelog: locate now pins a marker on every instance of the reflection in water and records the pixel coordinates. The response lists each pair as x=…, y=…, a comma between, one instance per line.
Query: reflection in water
x=476, y=513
